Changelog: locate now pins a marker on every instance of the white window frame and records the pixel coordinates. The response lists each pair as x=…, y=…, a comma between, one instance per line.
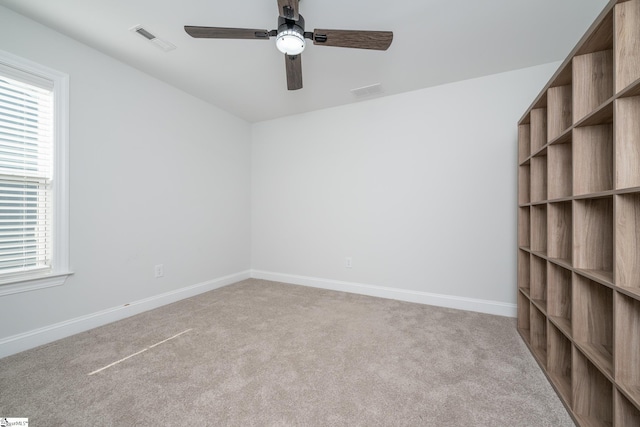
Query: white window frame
x=60, y=269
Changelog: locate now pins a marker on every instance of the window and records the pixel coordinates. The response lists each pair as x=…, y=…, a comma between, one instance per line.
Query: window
x=33, y=176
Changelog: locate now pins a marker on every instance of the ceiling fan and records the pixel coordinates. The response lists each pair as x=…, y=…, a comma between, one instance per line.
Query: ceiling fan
x=290, y=38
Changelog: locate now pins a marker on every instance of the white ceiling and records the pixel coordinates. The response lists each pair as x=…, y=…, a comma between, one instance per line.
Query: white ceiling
x=435, y=42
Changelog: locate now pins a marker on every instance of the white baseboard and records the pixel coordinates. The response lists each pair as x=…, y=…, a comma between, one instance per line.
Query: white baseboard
x=24, y=341
x=450, y=301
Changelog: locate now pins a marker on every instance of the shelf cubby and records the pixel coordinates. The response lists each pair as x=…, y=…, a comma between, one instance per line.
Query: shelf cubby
x=539, y=282
x=592, y=393
x=538, y=324
x=593, y=237
x=559, y=361
x=563, y=76
x=625, y=413
x=627, y=342
x=559, y=117
x=559, y=228
x=559, y=168
x=524, y=227
x=524, y=142
x=592, y=311
x=538, y=129
x=627, y=43
x=539, y=228
x=523, y=316
x=592, y=81
x=539, y=177
x=524, y=275
x=592, y=159
x=627, y=124
x=627, y=273
x=559, y=297
x=599, y=37
x=524, y=184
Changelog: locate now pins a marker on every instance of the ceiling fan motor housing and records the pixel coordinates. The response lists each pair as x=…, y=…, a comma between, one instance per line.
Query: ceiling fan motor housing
x=290, y=38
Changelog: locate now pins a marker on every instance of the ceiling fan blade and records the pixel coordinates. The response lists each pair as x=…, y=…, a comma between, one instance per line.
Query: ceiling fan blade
x=293, y=65
x=225, y=33
x=288, y=9
x=376, y=40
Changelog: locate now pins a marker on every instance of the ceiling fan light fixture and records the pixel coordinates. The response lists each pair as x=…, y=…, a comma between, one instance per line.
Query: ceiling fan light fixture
x=290, y=37
x=290, y=42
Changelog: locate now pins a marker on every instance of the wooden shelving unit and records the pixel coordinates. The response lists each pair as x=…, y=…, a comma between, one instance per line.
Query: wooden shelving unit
x=579, y=223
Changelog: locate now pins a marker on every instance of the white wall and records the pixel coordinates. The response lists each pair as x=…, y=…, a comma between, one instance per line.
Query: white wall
x=156, y=176
x=419, y=189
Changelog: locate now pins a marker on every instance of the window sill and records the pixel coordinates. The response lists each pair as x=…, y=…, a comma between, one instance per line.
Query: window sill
x=32, y=283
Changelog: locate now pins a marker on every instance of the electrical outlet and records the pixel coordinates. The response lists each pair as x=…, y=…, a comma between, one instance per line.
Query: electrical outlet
x=159, y=270
x=347, y=262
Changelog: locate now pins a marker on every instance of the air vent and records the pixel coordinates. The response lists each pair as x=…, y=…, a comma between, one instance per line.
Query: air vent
x=158, y=42
x=361, y=92
x=146, y=34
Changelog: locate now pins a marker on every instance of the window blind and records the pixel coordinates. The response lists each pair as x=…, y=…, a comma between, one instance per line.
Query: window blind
x=26, y=172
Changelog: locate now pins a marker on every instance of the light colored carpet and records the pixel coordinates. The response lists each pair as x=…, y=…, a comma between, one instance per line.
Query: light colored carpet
x=270, y=354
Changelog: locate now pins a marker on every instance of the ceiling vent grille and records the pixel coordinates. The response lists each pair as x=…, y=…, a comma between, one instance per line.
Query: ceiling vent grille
x=361, y=92
x=158, y=42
